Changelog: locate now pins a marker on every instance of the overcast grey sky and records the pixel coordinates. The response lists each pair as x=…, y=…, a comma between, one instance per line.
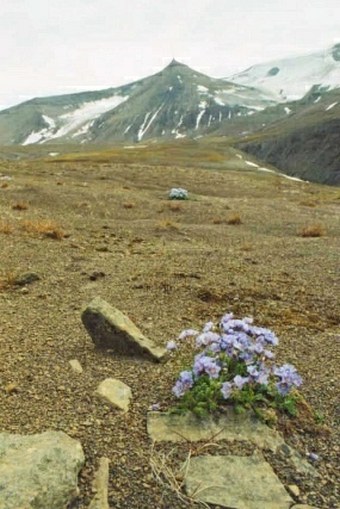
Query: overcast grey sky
x=55, y=47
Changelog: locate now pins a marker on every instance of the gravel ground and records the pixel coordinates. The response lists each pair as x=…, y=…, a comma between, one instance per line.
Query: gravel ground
x=169, y=266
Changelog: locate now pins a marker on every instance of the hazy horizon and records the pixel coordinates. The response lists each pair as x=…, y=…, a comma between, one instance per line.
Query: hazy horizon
x=72, y=47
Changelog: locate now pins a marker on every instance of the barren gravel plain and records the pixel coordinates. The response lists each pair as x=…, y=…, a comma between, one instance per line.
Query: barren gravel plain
x=95, y=228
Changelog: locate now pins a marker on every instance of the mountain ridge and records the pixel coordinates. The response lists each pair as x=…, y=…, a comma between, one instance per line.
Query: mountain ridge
x=179, y=102
x=184, y=100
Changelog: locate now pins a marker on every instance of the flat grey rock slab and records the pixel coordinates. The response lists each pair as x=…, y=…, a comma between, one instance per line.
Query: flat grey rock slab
x=115, y=392
x=163, y=427
x=39, y=471
x=303, y=506
x=110, y=329
x=236, y=482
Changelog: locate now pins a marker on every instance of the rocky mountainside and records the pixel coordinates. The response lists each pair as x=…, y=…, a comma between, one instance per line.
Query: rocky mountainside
x=173, y=103
x=305, y=142
x=290, y=79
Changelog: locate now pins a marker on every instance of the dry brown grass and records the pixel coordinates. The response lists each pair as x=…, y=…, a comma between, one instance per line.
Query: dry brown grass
x=128, y=205
x=7, y=280
x=6, y=227
x=246, y=247
x=165, y=475
x=218, y=220
x=171, y=474
x=309, y=203
x=44, y=227
x=4, y=185
x=313, y=230
x=234, y=219
x=167, y=224
x=21, y=205
x=175, y=207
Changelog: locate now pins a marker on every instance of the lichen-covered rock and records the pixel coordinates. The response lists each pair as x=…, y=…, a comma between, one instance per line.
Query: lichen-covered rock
x=39, y=471
x=109, y=328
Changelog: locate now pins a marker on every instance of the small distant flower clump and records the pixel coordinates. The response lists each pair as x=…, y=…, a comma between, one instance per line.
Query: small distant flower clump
x=177, y=193
x=235, y=365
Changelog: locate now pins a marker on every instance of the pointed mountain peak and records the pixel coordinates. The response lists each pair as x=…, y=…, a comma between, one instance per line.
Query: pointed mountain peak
x=174, y=62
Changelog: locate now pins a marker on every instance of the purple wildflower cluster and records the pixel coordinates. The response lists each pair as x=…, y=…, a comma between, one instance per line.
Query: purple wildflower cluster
x=183, y=384
x=237, y=343
x=288, y=378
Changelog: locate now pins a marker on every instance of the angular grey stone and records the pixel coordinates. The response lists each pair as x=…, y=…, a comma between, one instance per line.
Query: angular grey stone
x=76, y=366
x=26, y=279
x=100, y=486
x=109, y=328
x=294, y=490
x=231, y=426
x=236, y=482
x=115, y=392
x=39, y=471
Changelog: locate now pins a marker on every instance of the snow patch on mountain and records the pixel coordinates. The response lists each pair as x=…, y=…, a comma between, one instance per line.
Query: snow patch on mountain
x=202, y=89
x=49, y=121
x=88, y=111
x=263, y=168
x=257, y=167
x=250, y=163
x=295, y=179
x=35, y=137
x=83, y=129
x=331, y=106
x=219, y=101
x=176, y=130
x=203, y=105
x=80, y=119
x=291, y=78
x=146, y=124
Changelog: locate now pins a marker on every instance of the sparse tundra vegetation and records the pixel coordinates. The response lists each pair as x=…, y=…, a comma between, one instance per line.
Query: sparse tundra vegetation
x=100, y=223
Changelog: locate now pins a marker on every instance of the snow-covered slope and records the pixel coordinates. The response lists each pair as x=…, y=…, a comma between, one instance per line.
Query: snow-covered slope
x=292, y=78
x=75, y=122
